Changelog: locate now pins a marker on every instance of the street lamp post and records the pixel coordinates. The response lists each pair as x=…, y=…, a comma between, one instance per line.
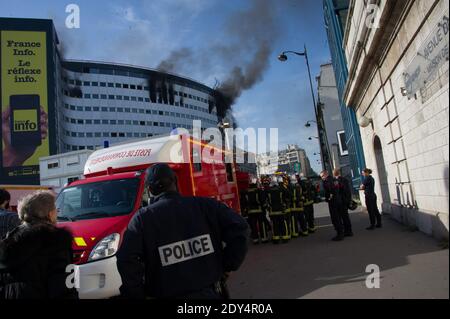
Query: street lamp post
x=283, y=58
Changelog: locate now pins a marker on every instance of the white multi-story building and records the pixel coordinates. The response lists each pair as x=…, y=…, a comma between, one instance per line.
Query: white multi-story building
x=58, y=170
x=292, y=160
x=399, y=86
x=106, y=102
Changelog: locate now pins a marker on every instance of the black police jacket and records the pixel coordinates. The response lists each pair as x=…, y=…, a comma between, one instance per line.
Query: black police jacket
x=174, y=247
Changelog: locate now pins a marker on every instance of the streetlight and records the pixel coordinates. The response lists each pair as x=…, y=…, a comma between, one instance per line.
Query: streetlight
x=283, y=58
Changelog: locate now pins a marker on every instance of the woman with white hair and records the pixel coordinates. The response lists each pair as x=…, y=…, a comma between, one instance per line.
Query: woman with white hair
x=34, y=256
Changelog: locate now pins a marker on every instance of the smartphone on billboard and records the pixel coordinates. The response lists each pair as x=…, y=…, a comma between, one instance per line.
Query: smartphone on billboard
x=25, y=120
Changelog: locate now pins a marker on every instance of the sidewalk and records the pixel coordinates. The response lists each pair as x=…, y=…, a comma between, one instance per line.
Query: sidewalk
x=412, y=265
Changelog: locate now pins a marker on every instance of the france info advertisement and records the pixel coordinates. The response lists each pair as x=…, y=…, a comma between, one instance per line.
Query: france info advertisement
x=24, y=103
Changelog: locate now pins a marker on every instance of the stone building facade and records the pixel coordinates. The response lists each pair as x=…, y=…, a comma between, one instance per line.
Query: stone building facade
x=397, y=53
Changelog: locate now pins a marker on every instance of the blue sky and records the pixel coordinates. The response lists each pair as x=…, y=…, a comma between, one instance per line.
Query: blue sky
x=145, y=32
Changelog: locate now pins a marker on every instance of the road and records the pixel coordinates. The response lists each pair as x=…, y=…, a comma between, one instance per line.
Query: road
x=412, y=265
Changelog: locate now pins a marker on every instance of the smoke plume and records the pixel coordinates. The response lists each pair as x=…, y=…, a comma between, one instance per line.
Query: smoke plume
x=250, y=34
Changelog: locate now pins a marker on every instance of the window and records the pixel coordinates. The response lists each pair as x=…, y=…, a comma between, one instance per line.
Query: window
x=87, y=83
x=95, y=96
x=133, y=98
x=111, y=97
x=125, y=86
x=78, y=82
x=121, y=134
x=142, y=111
x=88, y=109
x=105, y=122
x=120, y=122
x=105, y=134
x=118, y=85
x=89, y=134
x=80, y=108
x=147, y=99
x=104, y=109
x=103, y=96
x=126, y=98
x=229, y=169
x=94, y=83
x=140, y=99
x=103, y=84
x=96, y=121
x=134, y=110
x=118, y=97
x=98, y=134
x=110, y=85
x=139, y=87
x=113, y=122
x=113, y=134
x=96, y=108
x=81, y=134
x=87, y=96
x=142, y=123
x=343, y=149
x=133, y=87
x=72, y=179
x=52, y=165
x=112, y=109
x=88, y=121
x=120, y=109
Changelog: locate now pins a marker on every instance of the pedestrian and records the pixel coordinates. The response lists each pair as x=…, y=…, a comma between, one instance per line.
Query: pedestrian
x=8, y=220
x=174, y=248
x=35, y=255
x=334, y=201
x=371, y=200
x=345, y=194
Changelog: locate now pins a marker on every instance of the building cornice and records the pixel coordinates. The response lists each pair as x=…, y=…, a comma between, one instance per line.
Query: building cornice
x=365, y=60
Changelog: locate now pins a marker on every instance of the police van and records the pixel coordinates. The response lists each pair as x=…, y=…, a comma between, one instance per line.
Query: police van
x=98, y=208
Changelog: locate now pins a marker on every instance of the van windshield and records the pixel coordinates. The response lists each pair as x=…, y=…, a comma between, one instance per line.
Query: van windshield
x=97, y=200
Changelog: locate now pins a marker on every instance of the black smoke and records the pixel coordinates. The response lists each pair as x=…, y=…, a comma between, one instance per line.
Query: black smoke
x=250, y=35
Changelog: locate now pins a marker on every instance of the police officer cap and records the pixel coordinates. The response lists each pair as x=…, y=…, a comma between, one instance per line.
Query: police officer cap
x=158, y=175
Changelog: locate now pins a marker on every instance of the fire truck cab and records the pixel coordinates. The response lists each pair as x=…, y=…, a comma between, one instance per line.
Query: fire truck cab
x=98, y=208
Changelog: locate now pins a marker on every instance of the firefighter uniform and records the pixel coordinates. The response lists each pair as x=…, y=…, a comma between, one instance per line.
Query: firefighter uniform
x=297, y=212
x=253, y=204
x=310, y=194
x=278, y=201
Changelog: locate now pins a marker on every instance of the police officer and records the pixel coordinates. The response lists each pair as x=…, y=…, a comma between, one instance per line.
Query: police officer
x=297, y=210
x=253, y=204
x=173, y=248
x=278, y=199
x=334, y=201
x=310, y=195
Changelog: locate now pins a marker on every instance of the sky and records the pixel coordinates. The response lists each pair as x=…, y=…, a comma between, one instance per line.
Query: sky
x=146, y=32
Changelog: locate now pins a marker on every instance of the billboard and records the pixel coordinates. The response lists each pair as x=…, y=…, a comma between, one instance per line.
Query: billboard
x=25, y=104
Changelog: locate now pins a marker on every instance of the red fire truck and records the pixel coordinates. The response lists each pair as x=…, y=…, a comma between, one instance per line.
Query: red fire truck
x=97, y=209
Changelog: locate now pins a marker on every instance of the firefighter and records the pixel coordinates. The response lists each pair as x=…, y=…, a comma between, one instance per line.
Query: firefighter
x=297, y=210
x=278, y=201
x=310, y=195
x=255, y=202
x=174, y=248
